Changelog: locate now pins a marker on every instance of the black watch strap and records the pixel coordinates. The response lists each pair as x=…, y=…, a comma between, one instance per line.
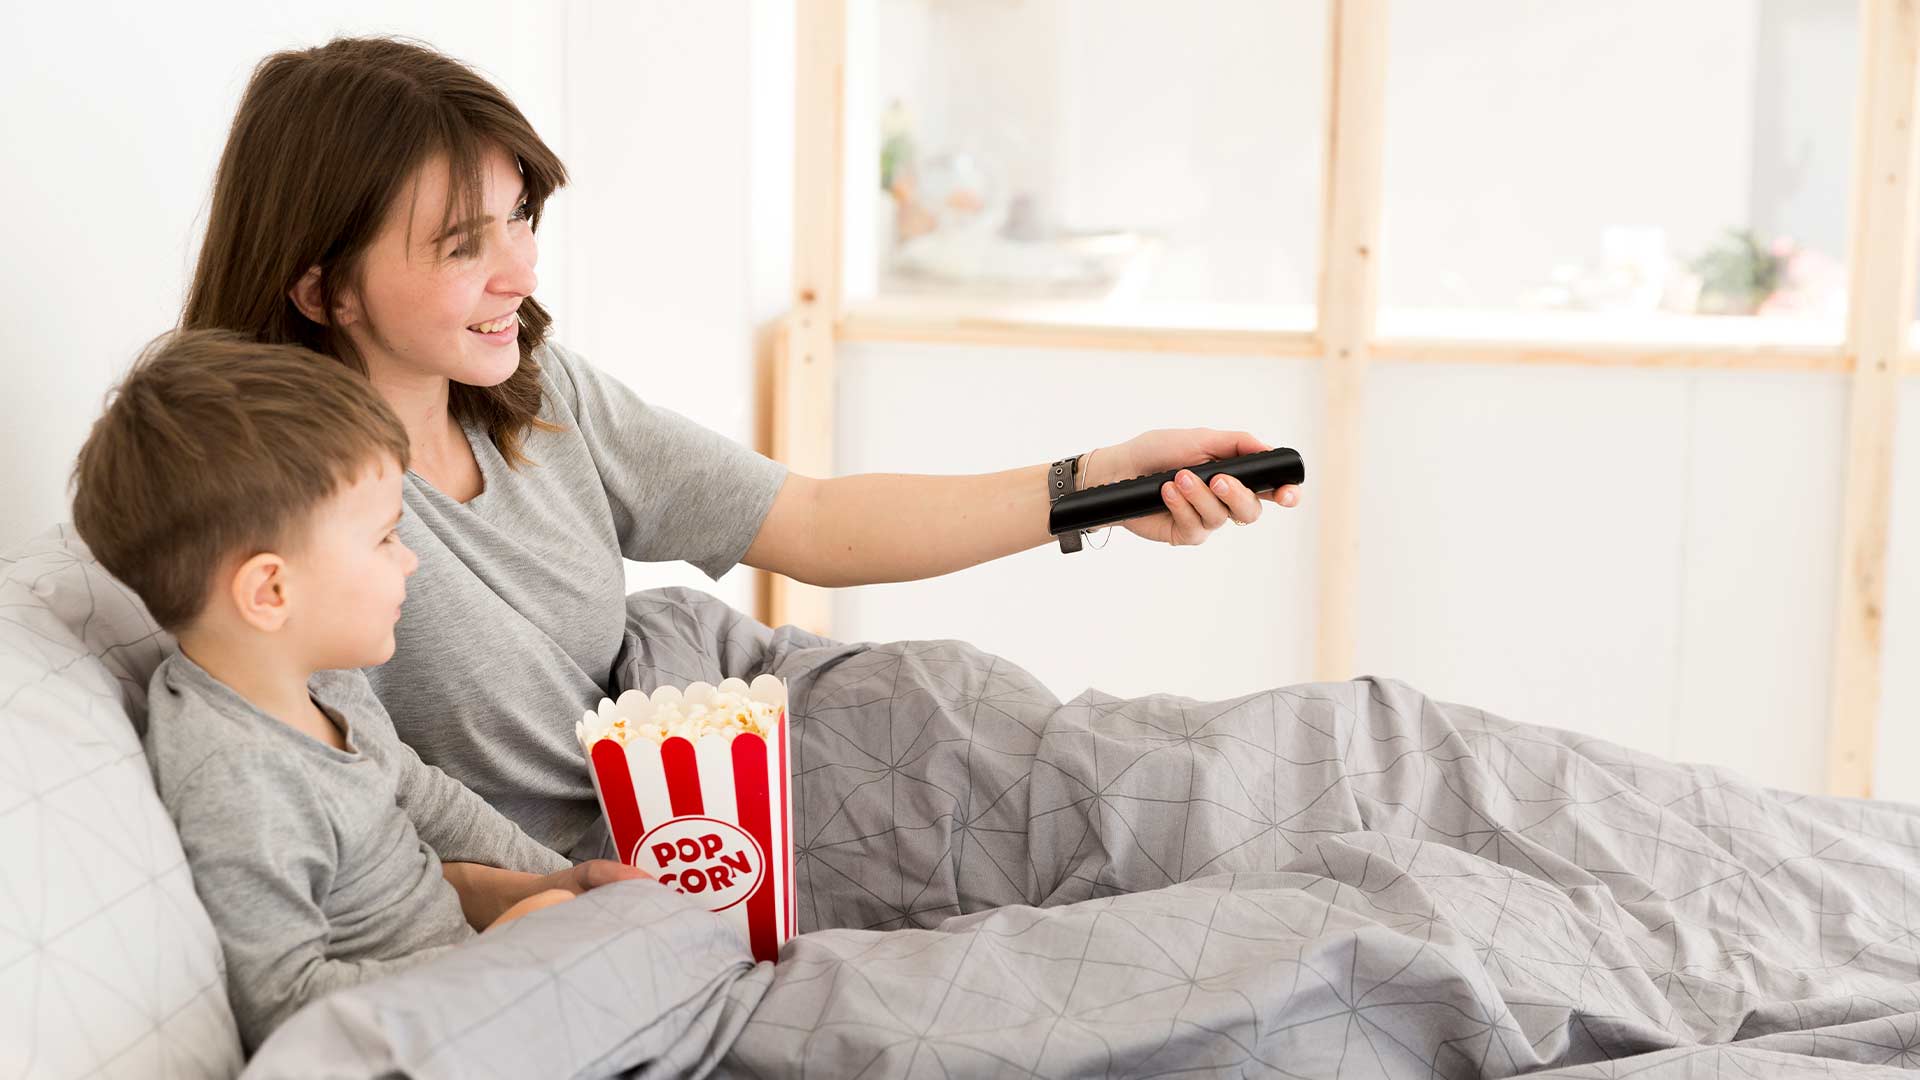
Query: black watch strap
x=1061, y=479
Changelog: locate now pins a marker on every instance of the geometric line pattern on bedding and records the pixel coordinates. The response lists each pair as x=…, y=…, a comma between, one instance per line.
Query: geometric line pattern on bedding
x=626, y=974
x=634, y=980
x=1588, y=901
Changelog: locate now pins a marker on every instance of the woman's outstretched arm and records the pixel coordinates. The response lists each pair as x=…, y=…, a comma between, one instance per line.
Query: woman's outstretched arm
x=871, y=528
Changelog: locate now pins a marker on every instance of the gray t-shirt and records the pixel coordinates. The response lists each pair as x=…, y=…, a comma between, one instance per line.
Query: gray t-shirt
x=518, y=609
x=320, y=867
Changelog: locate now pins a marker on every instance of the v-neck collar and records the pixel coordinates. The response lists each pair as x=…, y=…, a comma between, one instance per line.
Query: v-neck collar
x=484, y=457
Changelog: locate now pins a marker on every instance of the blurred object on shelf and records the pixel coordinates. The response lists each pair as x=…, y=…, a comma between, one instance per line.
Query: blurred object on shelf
x=1634, y=274
x=1090, y=266
x=1742, y=274
x=950, y=224
x=1745, y=276
x=1739, y=273
x=899, y=176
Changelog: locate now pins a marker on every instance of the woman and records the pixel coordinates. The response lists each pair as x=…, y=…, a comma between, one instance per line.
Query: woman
x=377, y=202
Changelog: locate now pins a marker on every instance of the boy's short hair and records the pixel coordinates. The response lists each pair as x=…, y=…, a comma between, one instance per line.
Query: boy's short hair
x=215, y=445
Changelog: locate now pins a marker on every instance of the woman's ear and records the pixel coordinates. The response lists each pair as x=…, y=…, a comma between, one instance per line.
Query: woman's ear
x=305, y=295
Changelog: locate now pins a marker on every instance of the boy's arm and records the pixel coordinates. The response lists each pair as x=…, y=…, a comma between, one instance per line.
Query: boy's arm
x=486, y=892
x=457, y=824
x=262, y=855
x=460, y=826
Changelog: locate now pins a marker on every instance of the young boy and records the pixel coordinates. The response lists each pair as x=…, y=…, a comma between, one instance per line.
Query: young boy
x=249, y=493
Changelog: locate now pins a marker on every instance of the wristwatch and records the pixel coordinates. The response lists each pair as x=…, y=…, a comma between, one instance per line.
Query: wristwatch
x=1062, y=478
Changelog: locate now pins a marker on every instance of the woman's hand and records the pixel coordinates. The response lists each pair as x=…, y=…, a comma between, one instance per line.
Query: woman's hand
x=1192, y=511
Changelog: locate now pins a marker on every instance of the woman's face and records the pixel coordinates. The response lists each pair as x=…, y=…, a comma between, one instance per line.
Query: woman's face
x=433, y=304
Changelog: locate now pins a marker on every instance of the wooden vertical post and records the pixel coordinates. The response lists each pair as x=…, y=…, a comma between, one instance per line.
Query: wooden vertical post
x=1348, y=297
x=1881, y=289
x=803, y=347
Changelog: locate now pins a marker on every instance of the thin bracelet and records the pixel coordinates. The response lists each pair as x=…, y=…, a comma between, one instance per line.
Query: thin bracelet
x=1080, y=476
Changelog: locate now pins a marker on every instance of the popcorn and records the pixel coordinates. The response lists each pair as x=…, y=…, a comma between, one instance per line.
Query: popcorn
x=702, y=709
x=693, y=784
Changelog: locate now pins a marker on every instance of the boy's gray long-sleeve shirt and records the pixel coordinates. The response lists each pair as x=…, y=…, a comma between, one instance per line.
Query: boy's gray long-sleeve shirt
x=320, y=867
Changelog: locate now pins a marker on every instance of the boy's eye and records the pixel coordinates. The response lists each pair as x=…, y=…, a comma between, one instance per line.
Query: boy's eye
x=390, y=537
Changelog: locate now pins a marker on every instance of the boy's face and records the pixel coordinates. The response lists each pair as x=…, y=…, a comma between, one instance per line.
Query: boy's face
x=349, y=578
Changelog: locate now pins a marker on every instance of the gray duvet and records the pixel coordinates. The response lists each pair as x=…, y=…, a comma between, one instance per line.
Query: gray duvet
x=1330, y=880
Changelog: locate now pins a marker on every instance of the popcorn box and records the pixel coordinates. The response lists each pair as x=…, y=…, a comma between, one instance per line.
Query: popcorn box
x=693, y=784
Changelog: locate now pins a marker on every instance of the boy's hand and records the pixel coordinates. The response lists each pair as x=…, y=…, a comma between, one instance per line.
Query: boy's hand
x=487, y=893
x=590, y=875
x=545, y=898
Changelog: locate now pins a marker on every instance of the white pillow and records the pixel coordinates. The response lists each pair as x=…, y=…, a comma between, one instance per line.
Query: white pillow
x=108, y=963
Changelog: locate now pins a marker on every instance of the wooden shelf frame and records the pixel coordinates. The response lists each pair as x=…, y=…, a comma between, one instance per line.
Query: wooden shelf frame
x=1874, y=356
x=1880, y=312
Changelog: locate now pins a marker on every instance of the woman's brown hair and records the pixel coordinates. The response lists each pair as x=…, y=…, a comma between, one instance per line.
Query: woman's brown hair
x=322, y=144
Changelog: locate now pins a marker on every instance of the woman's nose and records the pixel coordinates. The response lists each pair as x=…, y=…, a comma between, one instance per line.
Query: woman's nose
x=514, y=275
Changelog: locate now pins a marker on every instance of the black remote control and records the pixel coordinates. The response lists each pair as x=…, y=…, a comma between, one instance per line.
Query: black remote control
x=1140, y=496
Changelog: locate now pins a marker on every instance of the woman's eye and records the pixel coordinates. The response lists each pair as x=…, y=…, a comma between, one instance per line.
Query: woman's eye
x=523, y=212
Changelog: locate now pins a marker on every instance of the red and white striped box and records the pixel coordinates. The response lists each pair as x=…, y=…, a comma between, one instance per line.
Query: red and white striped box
x=696, y=795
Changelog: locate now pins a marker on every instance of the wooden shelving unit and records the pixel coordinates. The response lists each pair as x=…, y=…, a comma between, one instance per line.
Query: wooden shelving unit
x=1875, y=353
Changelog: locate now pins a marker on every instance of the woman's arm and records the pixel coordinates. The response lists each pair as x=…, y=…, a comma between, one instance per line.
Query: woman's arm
x=880, y=527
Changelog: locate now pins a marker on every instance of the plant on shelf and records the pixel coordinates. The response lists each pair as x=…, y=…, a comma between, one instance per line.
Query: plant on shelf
x=899, y=174
x=1740, y=273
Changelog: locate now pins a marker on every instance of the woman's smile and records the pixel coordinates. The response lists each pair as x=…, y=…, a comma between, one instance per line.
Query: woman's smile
x=503, y=330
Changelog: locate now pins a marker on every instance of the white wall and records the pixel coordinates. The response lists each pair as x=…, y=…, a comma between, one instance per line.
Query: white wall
x=1230, y=617
x=1647, y=556
x=1516, y=129
x=1644, y=556
x=1897, y=755
x=114, y=120
x=657, y=261
x=681, y=147
x=1797, y=190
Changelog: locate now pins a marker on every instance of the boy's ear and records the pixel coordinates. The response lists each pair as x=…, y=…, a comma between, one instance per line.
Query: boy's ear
x=259, y=592
x=305, y=295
